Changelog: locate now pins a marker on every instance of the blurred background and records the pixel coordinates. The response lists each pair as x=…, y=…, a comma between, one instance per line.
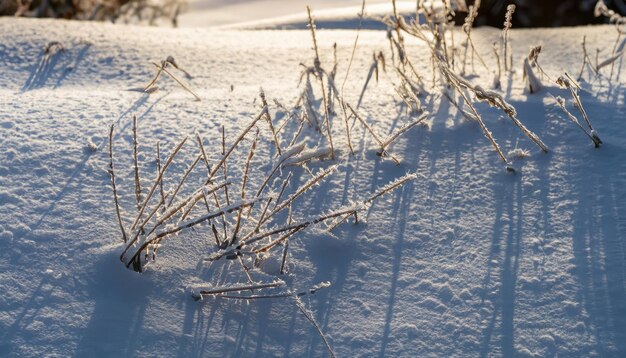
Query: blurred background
x=544, y=13
x=206, y=13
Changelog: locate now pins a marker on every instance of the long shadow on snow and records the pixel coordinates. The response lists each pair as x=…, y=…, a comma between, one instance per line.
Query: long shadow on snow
x=432, y=143
x=38, y=299
x=42, y=71
x=509, y=198
x=121, y=298
x=257, y=328
x=332, y=257
x=400, y=214
x=68, y=70
x=45, y=68
x=600, y=247
x=508, y=201
x=596, y=178
x=238, y=327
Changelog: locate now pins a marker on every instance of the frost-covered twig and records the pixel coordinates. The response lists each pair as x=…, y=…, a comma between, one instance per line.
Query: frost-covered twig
x=135, y=259
x=156, y=182
x=203, y=152
x=318, y=68
x=365, y=204
x=508, y=64
x=319, y=153
x=586, y=60
x=282, y=188
x=163, y=68
x=268, y=117
x=456, y=82
x=610, y=60
x=561, y=104
x=494, y=99
x=287, y=154
x=112, y=174
x=185, y=175
x=533, y=59
x=467, y=28
x=565, y=81
x=290, y=229
x=199, y=293
x=244, y=182
x=168, y=214
x=224, y=164
x=158, y=162
x=401, y=131
x=283, y=260
x=311, y=291
x=356, y=40
x=309, y=316
x=136, y=164
x=308, y=185
x=226, y=154
x=602, y=10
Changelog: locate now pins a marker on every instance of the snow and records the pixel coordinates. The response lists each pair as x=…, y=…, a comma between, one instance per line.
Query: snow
x=465, y=261
x=291, y=14
x=225, y=12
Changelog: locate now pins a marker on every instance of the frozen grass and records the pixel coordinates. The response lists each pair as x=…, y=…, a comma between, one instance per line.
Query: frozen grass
x=251, y=225
x=242, y=200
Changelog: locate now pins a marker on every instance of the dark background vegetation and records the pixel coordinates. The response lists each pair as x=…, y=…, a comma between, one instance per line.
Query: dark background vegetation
x=529, y=13
x=151, y=12
x=543, y=13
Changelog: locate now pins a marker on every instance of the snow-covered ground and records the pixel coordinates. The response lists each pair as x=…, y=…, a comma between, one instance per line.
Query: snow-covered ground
x=206, y=13
x=287, y=14
x=465, y=261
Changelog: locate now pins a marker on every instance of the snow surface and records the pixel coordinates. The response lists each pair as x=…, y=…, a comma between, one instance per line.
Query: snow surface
x=468, y=261
x=228, y=12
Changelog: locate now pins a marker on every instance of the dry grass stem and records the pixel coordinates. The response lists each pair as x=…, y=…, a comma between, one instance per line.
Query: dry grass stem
x=508, y=59
x=157, y=181
x=268, y=117
x=136, y=164
x=113, y=186
x=320, y=75
x=163, y=68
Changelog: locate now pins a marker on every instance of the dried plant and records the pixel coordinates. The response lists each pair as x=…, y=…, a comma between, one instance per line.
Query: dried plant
x=506, y=46
x=467, y=28
x=567, y=82
x=356, y=41
x=602, y=10
x=111, y=172
x=619, y=21
x=586, y=60
x=317, y=65
x=136, y=163
x=163, y=68
x=268, y=117
x=493, y=99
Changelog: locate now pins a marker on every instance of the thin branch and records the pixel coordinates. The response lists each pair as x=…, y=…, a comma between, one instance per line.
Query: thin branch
x=136, y=164
x=112, y=174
